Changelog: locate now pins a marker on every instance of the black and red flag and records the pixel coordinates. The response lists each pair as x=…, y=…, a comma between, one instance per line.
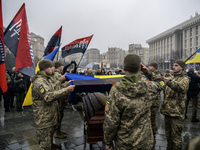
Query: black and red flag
x=3, y=83
x=77, y=46
x=17, y=39
x=54, y=41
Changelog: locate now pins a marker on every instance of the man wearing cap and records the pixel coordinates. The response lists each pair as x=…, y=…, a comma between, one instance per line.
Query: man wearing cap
x=167, y=73
x=59, y=83
x=173, y=106
x=192, y=93
x=45, y=105
x=127, y=111
x=154, y=75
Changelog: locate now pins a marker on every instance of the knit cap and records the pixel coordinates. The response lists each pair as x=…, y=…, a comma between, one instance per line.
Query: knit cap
x=58, y=64
x=44, y=64
x=132, y=63
x=180, y=63
x=154, y=64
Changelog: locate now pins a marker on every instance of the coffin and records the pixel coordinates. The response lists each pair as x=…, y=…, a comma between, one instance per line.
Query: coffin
x=93, y=113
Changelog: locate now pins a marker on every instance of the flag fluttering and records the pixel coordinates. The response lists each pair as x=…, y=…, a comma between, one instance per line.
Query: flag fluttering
x=196, y=59
x=3, y=83
x=17, y=39
x=54, y=41
x=77, y=46
x=28, y=99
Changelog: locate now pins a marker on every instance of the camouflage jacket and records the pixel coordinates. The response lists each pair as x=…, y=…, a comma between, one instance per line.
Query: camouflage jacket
x=175, y=96
x=156, y=76
x=45, y=106
x=127, y=113
x=59, y=84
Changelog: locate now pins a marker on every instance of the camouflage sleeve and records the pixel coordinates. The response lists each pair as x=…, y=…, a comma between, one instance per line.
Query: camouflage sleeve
x=179, y=86
x=154, y=88
x=46, y=92
x=112, y=119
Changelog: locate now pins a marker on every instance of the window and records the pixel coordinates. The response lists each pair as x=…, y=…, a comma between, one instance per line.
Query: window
x=190, y=42
x=196, y=30
x=196, y=40
x=185, y=33
x=190, y=32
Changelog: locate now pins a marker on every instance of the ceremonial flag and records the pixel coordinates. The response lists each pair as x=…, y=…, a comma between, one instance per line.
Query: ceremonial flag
x=77, y=46
x=3, y=82
x=54, y=41
x=17, y=39
x=28, y=99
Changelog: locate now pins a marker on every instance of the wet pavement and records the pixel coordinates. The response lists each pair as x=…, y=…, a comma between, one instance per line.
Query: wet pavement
x=17, y=131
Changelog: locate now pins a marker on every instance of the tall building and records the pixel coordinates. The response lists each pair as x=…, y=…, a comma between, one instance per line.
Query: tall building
x=178, y=42
x=91, y=55
x=116, y=56
x=141, y=51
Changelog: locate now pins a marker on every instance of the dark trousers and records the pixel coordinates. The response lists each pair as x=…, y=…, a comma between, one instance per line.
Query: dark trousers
x=12, y=95
x=6, y=98
x=194, y=105
x=19, y=100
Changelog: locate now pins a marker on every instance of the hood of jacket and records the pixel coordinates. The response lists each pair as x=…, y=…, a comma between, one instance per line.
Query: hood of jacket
x=133, y=85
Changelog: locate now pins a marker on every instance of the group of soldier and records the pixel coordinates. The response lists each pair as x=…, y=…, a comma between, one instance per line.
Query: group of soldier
x=131, y=108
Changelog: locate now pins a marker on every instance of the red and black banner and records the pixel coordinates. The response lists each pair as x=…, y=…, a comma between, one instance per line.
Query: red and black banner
x=3, y=83
x=77, y=46
x=54, y=41
x=17, y=39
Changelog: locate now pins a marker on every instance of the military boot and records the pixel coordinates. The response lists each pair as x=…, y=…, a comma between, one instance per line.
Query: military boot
x=56, y=147
x=59, y=135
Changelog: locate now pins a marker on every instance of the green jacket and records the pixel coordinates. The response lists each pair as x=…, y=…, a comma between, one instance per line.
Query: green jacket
x=127, y=113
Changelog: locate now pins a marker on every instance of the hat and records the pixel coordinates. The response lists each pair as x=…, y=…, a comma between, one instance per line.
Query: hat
x=154, y=64
x=167, y=71
x=132, y=63
x=58, y=64
x=191, y=70
x=44, y=64
x=180, y=63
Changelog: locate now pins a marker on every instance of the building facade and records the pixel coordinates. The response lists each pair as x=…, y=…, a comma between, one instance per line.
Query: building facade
x=140, y=51
x=178, y=42
x=91, y=55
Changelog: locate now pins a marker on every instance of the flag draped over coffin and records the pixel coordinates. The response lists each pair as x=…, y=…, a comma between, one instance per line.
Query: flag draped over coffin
x=17, y=39
x=3, y=82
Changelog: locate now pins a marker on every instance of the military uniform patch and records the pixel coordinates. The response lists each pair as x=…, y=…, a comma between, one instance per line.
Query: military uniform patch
x=162, y=83
x=184, y=82
x=42, y=89
x=107, y=106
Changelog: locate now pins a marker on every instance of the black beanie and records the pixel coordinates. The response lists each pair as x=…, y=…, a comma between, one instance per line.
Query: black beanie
x=45, y=63
x=132, y=63
x=58, y=64
x=191, y=70
x=154, y=64
x=180, y=63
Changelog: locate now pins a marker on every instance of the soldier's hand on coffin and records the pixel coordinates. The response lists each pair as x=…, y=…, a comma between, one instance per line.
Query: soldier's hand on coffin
x=144, y=69
x=70, y=88
x=63, y=78
x=70, y=81
x=166, y=79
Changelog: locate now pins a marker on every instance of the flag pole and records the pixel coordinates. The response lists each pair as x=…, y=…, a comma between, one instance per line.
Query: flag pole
x=80, y=60
x=191, y=55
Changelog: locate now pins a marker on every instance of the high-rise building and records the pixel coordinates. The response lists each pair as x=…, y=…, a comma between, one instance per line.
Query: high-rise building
x=178, y=42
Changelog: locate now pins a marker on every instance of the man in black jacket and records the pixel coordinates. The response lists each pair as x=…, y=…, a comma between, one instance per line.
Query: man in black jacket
x=192, y=93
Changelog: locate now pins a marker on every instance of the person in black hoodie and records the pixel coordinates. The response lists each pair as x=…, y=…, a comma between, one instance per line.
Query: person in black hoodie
x=20, y=89
x=192, y=93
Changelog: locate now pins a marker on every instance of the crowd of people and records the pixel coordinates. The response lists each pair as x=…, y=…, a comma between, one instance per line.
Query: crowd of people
x=131, y=108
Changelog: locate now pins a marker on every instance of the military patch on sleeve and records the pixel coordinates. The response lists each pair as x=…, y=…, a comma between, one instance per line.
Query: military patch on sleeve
x=42, y=89
x=184, y=82
x=162, y=83
x=107, y=106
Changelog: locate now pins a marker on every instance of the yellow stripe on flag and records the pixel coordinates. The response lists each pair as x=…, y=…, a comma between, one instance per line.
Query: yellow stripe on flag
x=108, y=76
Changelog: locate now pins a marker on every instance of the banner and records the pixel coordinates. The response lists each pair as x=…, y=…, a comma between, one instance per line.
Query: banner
x=77, y=46
x=3, y=82
x=54, y=41
x=17, y=39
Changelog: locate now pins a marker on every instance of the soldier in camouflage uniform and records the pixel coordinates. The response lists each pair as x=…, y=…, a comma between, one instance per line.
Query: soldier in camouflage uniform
x=45, y=105
x=173, y=106
x=59, y=82
x=127, y=112
x=154, y=75
x=167, y=73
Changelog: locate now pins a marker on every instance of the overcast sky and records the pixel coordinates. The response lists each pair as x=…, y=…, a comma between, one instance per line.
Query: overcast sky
x=114, y=23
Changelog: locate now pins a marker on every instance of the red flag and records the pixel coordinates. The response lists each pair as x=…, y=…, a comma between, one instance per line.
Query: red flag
x=17, y=39
x=54, y=41
x=77, y=46
x=3, y=83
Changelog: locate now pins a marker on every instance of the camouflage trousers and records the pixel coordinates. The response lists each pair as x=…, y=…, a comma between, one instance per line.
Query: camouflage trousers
x=60, y=115
x=173, y=131
x=154, y=110
x=45, y=138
